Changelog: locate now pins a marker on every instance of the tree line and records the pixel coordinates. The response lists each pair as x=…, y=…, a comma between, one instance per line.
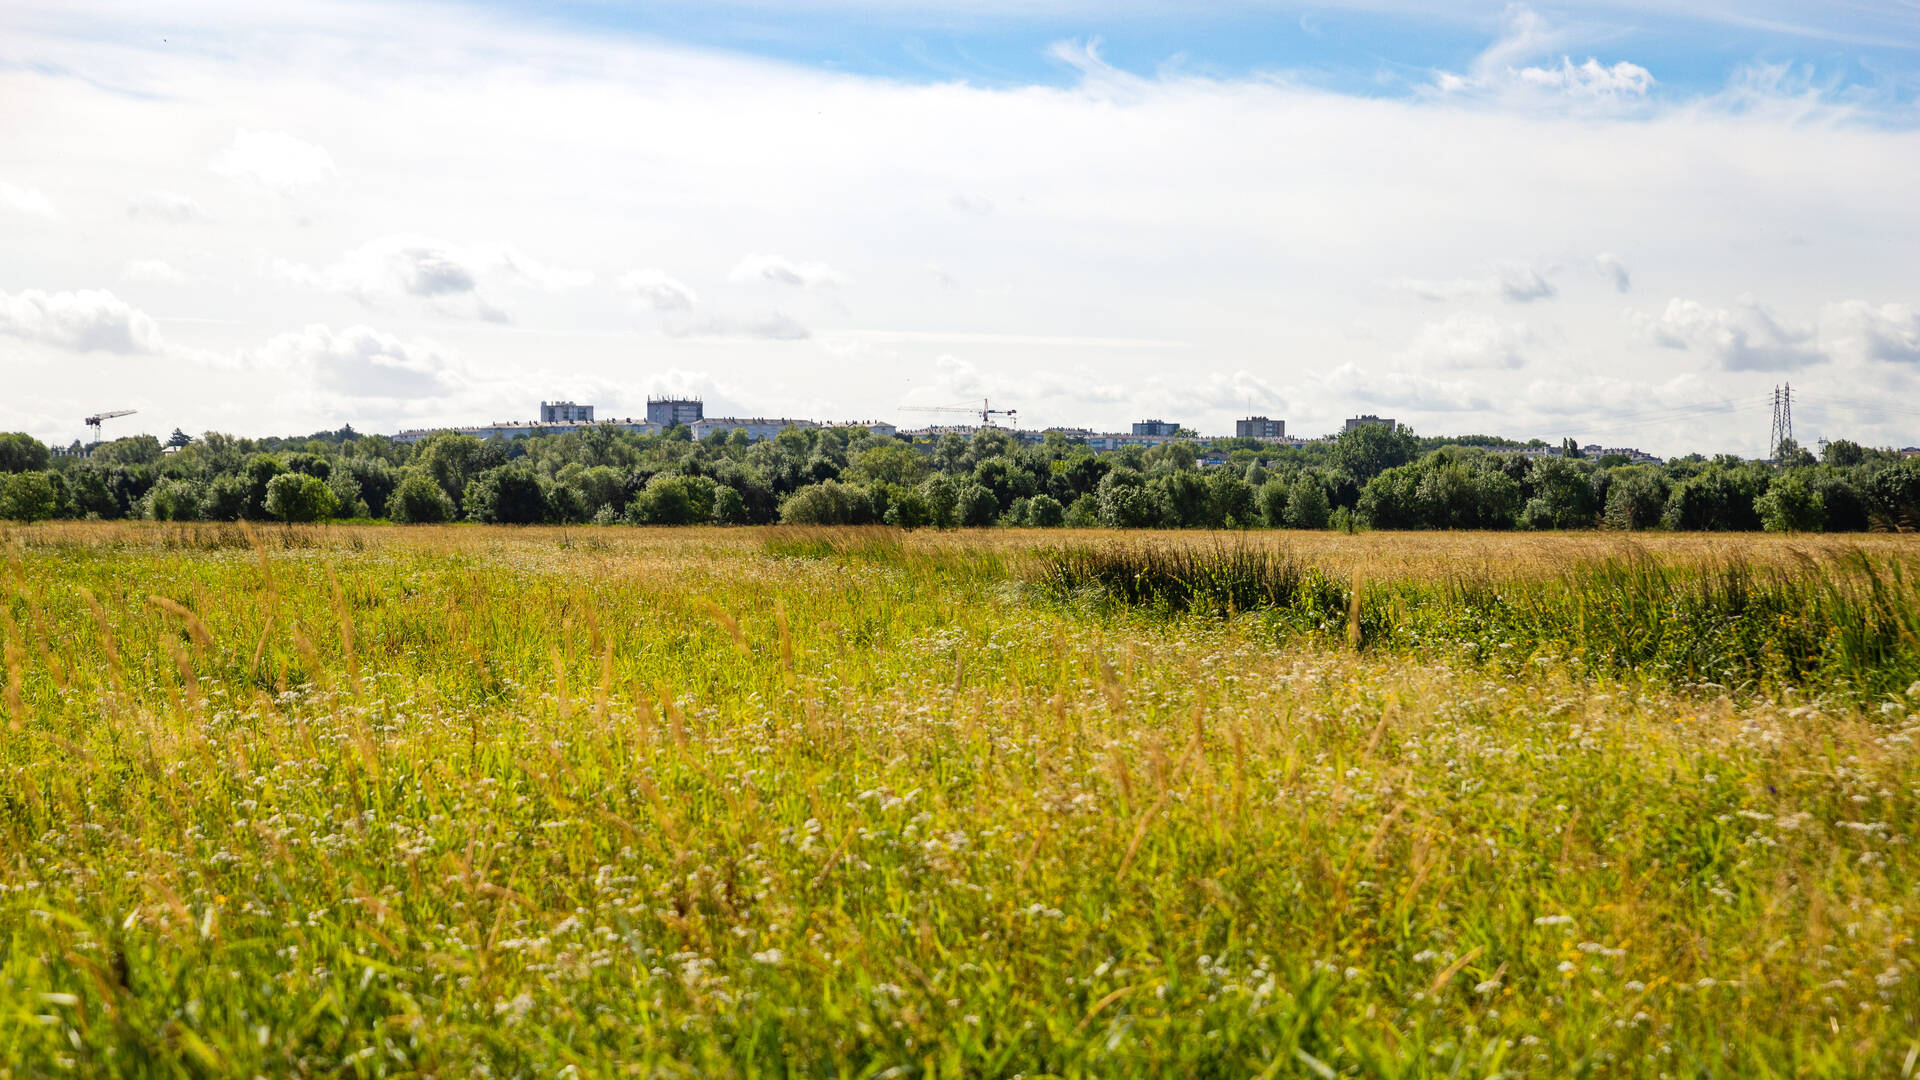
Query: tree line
x=1371, y=477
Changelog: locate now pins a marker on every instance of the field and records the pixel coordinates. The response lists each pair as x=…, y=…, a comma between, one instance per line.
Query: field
x=375, y=801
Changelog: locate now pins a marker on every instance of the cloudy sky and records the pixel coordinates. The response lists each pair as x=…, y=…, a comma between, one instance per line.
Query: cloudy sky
x=1621, y=221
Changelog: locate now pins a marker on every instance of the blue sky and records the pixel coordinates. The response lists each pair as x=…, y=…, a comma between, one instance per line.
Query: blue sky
x=1867, y=49
x=1624, y=223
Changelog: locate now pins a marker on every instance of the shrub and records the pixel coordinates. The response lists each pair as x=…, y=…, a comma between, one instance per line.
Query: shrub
x=1307, y=505
x=176, y=500
x=1045, y=512
x=419, y=501
x=674, y=499
x=1084, y=513
x=1790, y=506
x=729, y=506
x=976, y=506
x=910, y=510
x=27, y=496
x=507, y=495
x=829, y=502
x=299, y=497
x=1272, y=500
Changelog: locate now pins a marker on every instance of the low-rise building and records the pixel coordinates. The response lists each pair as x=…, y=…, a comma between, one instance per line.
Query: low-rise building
x=756, y=427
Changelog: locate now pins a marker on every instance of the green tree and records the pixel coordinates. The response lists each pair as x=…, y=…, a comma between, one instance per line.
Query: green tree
x=260, y=469
x=27, y=496
x=1045, y=512
x=419, y=501
x=829, y=502
x=21, y=452
x=729, y=506
x=889, y=463
x=298, y=497
x=1184, y=496
x=1636, y=497
x=1789, y=505
x=909, y=509
x=1367, y=451
x=1125, y=501
x=1843, y=453
x=1307, y=504
x=1084, y=513
x=977, y=506
x=179, y=439
x=177, y=499
x=1272, y=499
x=507, y=495
x=674, y=499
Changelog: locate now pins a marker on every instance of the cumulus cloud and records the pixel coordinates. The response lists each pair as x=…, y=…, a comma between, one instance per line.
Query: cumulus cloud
x=781, y=271
x=274, y=160
x=158, y=271
x=658, y=290
x=1406, y=390
x=165, y=206
x=1469, y=340
x=1524, y=285
x=360, y=362
x=1745, y=337
x=1590, y=79
x=447, y=276
x=89, y=320
x=775, y=326
x=30, y=202
x=1861, y=331
x=1502, y=67
x=1610, y=267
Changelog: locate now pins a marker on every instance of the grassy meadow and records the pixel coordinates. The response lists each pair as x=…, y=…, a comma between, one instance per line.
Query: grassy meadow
x=472, y=801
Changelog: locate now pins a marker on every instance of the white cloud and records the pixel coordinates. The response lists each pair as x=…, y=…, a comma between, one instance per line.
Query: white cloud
x=30, y=202
x=158, y=271
x=774, y=326
x=1512, y=283
x=1139, y=232
x=1502, y=69
x=446, y=276
x=658, y=290
x=165, y=206
x=971, y=204
x=1610, y=267
x=275, y=161
x=90, y=320
x=1745, y=337
x=1403, y=390
x=1468, y=340
x=360, y=362
x=1861, y=331
x=1591, y=79
x=781, y=271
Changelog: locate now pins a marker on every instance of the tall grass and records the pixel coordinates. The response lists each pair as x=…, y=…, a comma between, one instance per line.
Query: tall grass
x=495, y=802
x=1848, y=625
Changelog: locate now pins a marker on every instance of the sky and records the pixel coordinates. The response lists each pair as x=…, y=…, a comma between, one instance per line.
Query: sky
x=1621, y=222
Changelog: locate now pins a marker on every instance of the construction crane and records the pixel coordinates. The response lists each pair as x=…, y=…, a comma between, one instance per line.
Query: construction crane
x=986, y=412
x=97, y=419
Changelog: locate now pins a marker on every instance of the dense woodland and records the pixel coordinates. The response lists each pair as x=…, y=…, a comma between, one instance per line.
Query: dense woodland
x=1371, y=477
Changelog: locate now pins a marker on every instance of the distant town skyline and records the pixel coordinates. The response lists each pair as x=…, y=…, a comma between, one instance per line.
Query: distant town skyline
x=1619, y=222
